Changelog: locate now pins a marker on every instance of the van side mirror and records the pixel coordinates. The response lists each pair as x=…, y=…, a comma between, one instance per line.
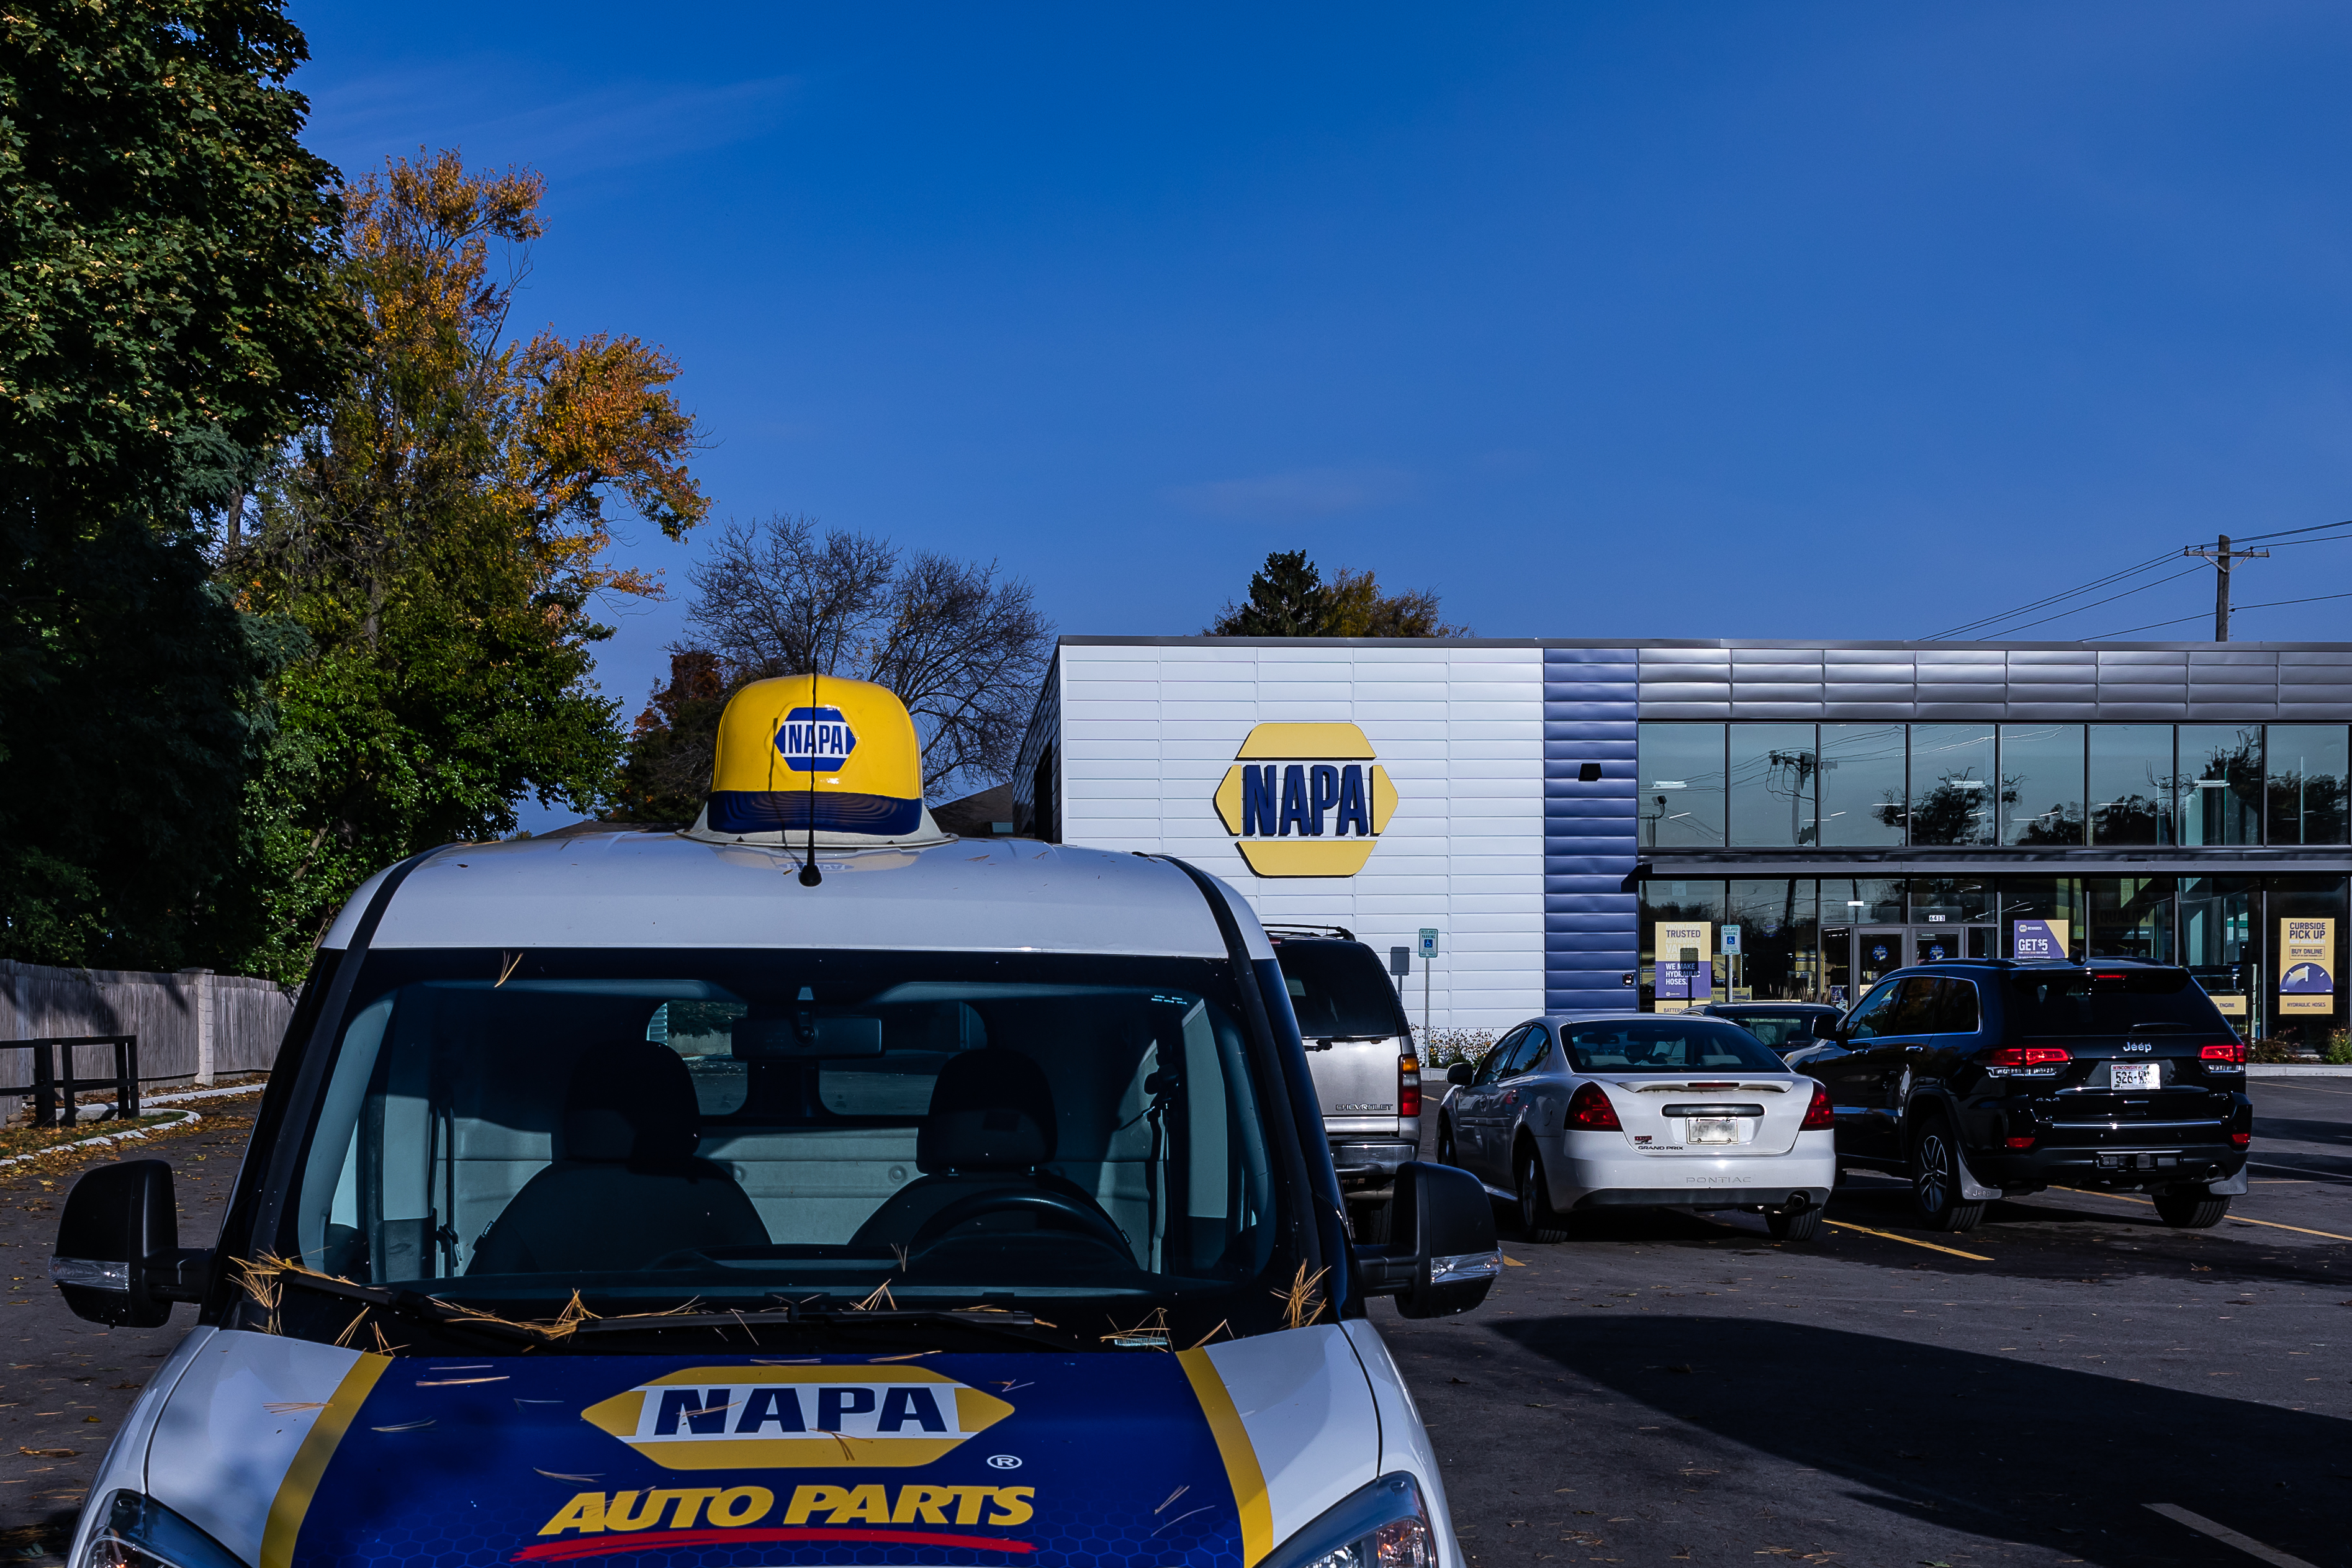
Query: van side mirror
x=1460, y=1072
x=119, y=1259
x=1442, y=1258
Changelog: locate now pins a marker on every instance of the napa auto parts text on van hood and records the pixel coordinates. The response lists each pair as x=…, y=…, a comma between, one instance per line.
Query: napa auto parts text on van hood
x=1089, y=1461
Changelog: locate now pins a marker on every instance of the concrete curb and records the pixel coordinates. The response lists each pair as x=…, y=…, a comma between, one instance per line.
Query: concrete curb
x=187, y=1117
x=2295, y=1069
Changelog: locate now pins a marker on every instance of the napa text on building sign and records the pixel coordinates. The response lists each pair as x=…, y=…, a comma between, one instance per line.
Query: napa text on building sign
x=1306, y=800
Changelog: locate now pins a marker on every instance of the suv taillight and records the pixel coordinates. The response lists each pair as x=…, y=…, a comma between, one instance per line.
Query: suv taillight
x=1589, y=1108
x=1408, y=1086
x=1818, y=1117
x=2232, y=1055
x=2027, y=1055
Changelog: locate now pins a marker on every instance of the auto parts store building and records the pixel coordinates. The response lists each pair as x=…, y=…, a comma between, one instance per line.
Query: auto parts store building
x=1791, y=819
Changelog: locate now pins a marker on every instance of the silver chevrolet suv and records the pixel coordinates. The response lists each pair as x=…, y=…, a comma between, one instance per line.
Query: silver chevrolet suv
x=1359, y=1049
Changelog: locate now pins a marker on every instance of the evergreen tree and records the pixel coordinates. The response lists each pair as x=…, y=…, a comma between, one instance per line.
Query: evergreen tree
x=1288, y=598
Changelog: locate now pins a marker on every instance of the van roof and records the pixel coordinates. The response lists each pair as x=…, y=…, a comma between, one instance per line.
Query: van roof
x=634, y=889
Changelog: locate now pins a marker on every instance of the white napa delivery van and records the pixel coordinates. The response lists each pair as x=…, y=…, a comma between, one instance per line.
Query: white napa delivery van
x=805, y=1187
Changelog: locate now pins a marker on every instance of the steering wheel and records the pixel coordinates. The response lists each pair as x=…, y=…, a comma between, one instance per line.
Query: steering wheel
x=1080, y=1216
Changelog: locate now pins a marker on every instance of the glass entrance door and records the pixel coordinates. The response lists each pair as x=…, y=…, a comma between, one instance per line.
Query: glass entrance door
x=1878, y=952
x=1933, y=944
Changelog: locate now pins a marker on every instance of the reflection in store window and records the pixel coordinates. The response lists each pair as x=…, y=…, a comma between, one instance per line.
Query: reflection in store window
x=2130, y=917
x=2131, y=783
x=1951, y=784
x=2306, y=776
x=2220, y=786
x=1680, y=769
x=1773, y=769
x=2041, y=784
x=1863, y=787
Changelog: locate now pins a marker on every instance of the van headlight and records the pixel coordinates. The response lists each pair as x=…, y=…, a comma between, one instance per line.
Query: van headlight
x=140, y=1532
x=1383, y=1525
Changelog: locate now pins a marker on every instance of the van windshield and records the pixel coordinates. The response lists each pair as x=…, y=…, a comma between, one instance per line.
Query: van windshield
x=1078, y=1135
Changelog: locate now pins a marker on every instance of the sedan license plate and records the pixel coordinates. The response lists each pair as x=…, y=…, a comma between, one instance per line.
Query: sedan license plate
x=2132, y=1075
x=1712, y=1130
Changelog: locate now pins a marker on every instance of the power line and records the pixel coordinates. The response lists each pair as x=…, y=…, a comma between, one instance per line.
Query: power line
x=2110, y=599
x=2113, y=577
x=2270, y=605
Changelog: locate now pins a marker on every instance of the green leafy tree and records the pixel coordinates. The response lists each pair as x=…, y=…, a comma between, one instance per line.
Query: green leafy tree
x=1288, y=598
x=441, y=537
x=166, y=246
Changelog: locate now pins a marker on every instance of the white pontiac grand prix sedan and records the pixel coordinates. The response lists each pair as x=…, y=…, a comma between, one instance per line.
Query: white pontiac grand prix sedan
x=1581, y=1111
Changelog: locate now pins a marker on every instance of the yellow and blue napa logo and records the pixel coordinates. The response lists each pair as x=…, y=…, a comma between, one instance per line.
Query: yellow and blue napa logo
x=1306, y=800
x=792, y=1418
x=804, y=751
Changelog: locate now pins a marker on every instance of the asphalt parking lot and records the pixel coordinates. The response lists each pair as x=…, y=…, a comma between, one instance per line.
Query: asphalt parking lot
x=1665, y=1389
x=1670, y=1390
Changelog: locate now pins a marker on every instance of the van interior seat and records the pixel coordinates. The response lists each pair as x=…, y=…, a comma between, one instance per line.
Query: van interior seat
x=990, y=1128
x=628, y=1187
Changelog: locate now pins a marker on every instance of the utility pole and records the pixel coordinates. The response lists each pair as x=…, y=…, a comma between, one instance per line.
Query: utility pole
x=2222, y=557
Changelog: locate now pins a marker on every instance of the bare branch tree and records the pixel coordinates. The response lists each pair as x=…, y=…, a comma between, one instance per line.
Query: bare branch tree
x=963, y=648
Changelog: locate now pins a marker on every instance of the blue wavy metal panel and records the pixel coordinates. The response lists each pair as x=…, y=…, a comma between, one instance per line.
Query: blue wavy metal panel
x=1589, y=701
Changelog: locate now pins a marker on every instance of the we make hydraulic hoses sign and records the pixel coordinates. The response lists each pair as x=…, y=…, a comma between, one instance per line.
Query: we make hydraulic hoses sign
x=1306, y=800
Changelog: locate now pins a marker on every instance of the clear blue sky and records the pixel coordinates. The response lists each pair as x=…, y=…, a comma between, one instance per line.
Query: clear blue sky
x=1848, y=320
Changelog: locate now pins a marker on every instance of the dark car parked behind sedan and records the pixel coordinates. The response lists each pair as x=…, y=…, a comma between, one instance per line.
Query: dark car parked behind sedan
x=1784, y=1025
x=1981, y=1078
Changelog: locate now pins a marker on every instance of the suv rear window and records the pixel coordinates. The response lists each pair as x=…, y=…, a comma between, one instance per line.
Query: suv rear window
x=1339, y=989
x=2109, y=1002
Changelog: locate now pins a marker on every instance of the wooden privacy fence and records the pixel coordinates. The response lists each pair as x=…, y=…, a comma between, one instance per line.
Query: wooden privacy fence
x=191, y=1026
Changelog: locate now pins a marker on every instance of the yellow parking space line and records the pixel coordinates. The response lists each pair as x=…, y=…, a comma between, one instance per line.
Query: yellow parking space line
x=1907, y=1240
x=2235, y=1219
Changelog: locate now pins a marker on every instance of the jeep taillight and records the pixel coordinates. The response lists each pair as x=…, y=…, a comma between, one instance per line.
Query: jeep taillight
x=2239, y=1140
x=2231, y=1054
x=1589, y=1109
x=1818, y=1117
x=2027, y=1055
x=1408, y=1086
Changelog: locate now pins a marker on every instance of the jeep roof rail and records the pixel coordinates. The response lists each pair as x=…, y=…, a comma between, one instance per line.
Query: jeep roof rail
x=1276, y=932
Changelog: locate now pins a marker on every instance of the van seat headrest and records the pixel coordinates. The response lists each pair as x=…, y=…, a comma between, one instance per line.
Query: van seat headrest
x=633, y=1100
x=991, y=1110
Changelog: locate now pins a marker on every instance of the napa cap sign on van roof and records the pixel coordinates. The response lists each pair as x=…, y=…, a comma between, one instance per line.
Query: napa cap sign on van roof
x=817, y=751
x=1306, y=800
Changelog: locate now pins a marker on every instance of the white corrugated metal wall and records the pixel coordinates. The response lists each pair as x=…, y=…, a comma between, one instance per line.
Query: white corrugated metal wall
x=1147, y=732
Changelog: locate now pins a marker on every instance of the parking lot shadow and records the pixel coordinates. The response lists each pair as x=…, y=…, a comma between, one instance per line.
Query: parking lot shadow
x=2006, y=1449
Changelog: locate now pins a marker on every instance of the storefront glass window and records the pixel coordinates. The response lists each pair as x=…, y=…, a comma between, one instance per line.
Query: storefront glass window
x=2041, y=784
x=1681, y=772
x=1692, y=903
x=1951, y=784
x=1864, y=789
x=2306, y=783
x=1773, y=768
x=2042, y=898
x=2129, y=917
x=1779, y=939
x=2219, y=945
x=1951, y=901
x=2221, y=787
x=2131, y=783
x=2303, y=979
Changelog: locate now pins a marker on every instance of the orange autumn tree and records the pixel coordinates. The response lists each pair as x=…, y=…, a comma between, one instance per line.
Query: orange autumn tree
x=441, y=543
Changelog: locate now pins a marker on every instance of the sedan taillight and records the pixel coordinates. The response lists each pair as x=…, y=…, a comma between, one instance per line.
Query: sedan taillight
x=1589, y=1109
x=2231, y=1055
x=1408, y=1086
x=1818, y=1117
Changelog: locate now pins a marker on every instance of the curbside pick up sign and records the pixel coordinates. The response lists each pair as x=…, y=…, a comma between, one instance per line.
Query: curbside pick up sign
x=2307, y=965
x=1306, y=800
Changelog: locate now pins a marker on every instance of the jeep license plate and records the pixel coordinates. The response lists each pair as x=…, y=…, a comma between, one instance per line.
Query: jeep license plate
x=1712, y=1129
x=2132, y=1075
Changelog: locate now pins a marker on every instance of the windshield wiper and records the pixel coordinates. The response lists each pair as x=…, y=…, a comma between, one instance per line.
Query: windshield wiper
x=416, y=1304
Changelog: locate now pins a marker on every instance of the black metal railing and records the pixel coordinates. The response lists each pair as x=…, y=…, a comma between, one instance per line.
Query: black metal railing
x=52, y=1091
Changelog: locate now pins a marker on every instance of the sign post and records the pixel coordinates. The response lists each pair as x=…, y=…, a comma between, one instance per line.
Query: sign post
x=1428, y=950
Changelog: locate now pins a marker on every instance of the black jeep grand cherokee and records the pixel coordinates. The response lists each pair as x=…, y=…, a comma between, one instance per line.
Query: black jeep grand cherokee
x=1981, y=1078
